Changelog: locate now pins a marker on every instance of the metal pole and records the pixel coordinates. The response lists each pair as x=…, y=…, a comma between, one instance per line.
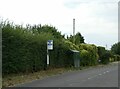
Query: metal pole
x=74, y=31
x=47, y=56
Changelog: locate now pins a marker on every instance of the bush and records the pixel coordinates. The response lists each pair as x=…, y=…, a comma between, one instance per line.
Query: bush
x=111, y=59
x=88, y=54
x=71, y=45
x=60, y=55
x=105, y=56
x=116, y=57
x=84, y=54
x=115, y=48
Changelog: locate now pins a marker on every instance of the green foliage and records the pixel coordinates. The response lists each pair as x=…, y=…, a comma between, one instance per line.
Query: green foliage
x=116, y=57
x=101, y=52
x=25, y=50
x=88, y=54
x=37, y=29
x=115, y=48
x=59, y=56
x=84, y=54
x=78, y=38
x=105, y=58
x=71, y=45
x=104, y=55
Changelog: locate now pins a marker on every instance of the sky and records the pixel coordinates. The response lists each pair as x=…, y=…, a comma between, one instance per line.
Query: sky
x=96, y=20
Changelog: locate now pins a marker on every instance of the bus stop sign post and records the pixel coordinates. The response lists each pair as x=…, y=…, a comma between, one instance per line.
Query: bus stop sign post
x=49, y=47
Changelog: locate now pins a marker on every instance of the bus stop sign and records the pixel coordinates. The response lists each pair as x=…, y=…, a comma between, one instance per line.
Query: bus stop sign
x=50, y=45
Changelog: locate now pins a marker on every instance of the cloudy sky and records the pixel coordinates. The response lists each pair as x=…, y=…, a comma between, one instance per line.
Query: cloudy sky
x=96, y=20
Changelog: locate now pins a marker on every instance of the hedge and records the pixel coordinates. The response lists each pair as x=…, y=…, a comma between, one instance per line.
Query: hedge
x=88, y=54
x=116, y=57
x=105, y=56
x=26, y=52
x=24, y=49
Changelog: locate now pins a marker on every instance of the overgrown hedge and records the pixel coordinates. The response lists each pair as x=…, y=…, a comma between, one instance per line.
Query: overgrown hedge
x=116, y=57
x=88, y=54
x=105, y=56
x=60, y=56
x=24, y=51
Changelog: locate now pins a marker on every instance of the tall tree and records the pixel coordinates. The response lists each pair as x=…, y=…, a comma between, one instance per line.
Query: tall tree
x=116, y=48
x=37, y=29
x=78, y=38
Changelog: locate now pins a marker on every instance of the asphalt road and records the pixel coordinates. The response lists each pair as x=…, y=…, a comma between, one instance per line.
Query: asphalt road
x=106, y=76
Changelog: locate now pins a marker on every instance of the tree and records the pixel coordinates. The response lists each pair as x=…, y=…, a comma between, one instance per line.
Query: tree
x=115, y=48
x=101, y=52
x=78, y=38
x=37, y=29
x=104, y=55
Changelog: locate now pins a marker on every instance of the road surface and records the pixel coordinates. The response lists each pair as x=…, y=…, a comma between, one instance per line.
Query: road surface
x=106, y=76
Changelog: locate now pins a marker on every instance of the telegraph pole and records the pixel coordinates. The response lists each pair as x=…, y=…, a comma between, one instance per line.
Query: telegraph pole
x=73, y=30
x=106, y=46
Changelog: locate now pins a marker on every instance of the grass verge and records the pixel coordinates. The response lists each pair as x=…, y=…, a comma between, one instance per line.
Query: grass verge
x=14, y=79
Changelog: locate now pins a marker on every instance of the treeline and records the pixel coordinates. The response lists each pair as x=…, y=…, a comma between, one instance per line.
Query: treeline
x=24, y=49
x=116, y=51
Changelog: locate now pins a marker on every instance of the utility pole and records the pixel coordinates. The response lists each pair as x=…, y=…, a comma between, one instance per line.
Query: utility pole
x=73, y=30
x=106, y=46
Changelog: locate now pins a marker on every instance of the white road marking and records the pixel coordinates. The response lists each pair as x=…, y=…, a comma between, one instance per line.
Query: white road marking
x=104, y=73
x=96, y=75
x=83, y=80
x=69, y=80
x=89, y=78
x=93, y=76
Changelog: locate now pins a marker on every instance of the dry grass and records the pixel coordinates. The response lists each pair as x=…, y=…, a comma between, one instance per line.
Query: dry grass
x=14, y=79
